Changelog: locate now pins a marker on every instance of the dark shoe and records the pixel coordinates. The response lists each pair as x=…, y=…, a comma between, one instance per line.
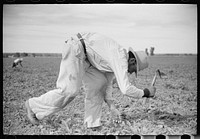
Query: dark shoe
x=98, y=128
x=31, y=116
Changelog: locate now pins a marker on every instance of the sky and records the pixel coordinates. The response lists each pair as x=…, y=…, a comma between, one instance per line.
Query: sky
x=43, y=28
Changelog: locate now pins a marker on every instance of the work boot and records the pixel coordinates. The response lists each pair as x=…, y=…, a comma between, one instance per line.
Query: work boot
x=31, y=116
x=98, y=128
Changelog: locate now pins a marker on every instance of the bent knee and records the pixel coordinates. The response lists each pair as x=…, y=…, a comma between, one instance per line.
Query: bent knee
x=98, y=83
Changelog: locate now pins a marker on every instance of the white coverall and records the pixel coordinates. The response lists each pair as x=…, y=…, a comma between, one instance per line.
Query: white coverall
x=107, y=58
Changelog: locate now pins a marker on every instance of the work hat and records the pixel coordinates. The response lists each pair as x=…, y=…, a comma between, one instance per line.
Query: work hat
x=141, y=60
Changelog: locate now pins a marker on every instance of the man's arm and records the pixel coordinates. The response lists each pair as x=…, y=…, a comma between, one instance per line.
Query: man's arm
x=120, y=69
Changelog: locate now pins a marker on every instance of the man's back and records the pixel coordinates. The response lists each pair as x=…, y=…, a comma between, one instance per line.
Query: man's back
x=101, y=50
x=18, y=60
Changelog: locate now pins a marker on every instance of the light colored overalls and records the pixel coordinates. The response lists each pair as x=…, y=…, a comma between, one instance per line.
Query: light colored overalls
x=107, y=59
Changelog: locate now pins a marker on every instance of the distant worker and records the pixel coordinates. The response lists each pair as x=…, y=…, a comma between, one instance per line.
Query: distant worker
x=94, y=60
x=17, y=61
x=146, y=51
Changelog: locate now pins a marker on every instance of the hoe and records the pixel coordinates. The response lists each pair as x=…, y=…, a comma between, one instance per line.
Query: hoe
x=157, y=73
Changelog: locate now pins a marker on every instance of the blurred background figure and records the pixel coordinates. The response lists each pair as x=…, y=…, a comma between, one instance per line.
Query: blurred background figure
x=152, y=51
x=146, y=51
x=17, y=62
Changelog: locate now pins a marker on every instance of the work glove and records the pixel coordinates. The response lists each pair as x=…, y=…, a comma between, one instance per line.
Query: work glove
x=150, y=91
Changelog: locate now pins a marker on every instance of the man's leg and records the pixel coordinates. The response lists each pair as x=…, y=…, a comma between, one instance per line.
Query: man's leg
x=68, y=83
x=94, y=82
x=21, y=64
x=115, y=114
x=14, y=65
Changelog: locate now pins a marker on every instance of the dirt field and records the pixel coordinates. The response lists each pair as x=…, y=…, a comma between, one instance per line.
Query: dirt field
x=172, y=112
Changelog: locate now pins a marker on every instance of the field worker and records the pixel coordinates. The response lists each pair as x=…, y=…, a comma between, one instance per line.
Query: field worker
x=17, y=61
x=93, y=60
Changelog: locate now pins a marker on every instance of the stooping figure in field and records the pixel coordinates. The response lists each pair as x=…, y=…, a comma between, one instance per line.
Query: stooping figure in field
x=93, y=60
x=17, y=62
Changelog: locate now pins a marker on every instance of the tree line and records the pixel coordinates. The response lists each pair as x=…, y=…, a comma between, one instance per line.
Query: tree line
x=24, y=54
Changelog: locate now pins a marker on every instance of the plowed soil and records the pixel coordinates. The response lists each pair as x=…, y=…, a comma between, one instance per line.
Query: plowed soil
x=173, y=111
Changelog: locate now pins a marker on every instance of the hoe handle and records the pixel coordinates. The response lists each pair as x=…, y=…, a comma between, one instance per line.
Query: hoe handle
x=153, y=82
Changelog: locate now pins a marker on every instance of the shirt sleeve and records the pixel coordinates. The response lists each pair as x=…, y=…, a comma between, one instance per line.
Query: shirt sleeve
x=120, y=69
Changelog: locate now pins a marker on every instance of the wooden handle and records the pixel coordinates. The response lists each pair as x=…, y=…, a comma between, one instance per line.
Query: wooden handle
x=152, y=84
x=154, y=80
